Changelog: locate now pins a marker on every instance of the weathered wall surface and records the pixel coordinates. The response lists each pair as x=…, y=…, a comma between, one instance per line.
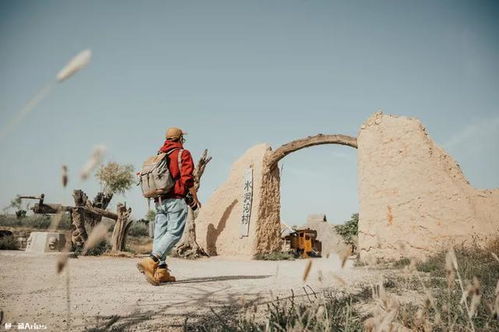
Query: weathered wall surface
x=414, y=198
x=219, y=221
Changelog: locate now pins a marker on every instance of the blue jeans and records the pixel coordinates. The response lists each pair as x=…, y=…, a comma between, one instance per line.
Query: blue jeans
x=171, y=215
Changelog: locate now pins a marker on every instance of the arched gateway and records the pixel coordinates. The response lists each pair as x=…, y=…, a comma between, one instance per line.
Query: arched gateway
x=243, y=216
x=413, y=197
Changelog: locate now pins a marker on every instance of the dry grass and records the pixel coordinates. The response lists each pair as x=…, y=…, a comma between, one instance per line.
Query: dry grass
x=307, y=270
x=95, y=159
x=77, y=63
x=459, y=288
x=64, y=176
x=456, y=290
x=315, y=312
x=74, y=65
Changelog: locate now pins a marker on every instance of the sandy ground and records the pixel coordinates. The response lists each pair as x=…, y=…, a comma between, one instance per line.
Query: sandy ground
x=32, y=292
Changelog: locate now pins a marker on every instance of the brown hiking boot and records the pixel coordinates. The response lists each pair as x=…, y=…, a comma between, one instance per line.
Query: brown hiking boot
x=148, y=266
x=163, y=275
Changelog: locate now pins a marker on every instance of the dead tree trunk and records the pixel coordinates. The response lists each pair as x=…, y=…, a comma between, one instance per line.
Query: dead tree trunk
x=78, y=231
x=87, y=212
x=188, y=247
x=102, y=200
x=123, y=222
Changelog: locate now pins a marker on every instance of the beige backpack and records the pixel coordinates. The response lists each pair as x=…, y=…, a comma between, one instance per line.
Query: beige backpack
x=155, y=178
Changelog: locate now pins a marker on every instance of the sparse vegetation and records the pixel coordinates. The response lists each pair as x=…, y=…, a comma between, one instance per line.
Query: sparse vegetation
x=99, y=249
x=275, y=256
x=17, y=205
x=349, y=230
x=401, y=262
x=448, y=292
x=459, y=288
x=115, y=178
x=473, y=261
x=37, y=221
x=138, y=228
x=8, y=243
x=150, y=215
x=317, y=312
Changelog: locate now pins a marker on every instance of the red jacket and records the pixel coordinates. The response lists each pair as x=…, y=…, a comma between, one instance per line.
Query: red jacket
x=184, y=176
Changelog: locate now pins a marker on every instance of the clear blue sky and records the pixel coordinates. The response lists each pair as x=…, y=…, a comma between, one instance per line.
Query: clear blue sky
x=237, y=73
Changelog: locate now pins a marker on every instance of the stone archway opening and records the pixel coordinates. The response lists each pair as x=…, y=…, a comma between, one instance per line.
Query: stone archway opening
x=306, y=142
x=264, y=231
x=270, y=216
x=318, y=183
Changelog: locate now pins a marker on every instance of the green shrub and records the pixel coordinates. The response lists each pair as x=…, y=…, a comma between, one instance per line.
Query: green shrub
x=115, y=178
x=349, y=230
x=9, y=243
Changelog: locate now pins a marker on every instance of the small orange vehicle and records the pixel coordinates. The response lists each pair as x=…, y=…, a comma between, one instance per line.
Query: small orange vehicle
x=303, y=243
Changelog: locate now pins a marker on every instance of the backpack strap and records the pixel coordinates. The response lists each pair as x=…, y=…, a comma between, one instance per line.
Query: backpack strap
x=167, y=153
x=180, y=161
x=179, y=157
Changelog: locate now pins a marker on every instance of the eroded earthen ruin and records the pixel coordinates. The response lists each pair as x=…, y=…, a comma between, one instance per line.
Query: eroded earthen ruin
x=219, y=221
x=414, y=199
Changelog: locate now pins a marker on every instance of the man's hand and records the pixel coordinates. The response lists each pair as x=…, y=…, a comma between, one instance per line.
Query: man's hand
x=194, y=195
x=198, y=203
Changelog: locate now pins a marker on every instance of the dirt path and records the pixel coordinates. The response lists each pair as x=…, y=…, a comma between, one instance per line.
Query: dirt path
x=32, y=292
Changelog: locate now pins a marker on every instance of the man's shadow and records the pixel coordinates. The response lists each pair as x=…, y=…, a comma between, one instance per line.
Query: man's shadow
x=219, y=278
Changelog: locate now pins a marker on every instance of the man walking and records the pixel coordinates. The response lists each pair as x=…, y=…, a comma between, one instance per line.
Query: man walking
x=171, y=209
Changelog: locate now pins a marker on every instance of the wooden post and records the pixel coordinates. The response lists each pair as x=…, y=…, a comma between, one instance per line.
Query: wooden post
x=123, y=222
x=79, y=233
x=88, y=213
